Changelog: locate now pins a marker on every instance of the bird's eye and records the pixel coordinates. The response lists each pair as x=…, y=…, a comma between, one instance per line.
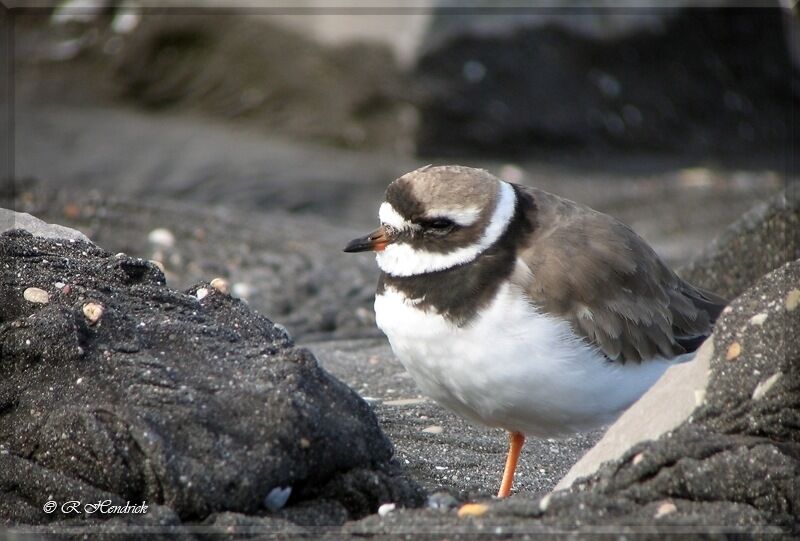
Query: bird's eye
x=438, y=223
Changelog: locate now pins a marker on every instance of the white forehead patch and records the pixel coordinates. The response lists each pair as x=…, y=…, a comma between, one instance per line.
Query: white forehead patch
x=464, y=217
x=388, y=215
x=402, y=259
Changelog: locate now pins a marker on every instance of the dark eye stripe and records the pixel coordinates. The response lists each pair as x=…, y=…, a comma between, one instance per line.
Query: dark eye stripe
x=436, y=223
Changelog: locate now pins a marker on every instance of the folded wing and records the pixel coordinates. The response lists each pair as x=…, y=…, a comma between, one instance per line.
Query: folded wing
x=614, y=290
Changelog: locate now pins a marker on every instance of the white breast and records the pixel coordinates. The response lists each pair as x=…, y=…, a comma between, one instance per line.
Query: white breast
x=512, y=366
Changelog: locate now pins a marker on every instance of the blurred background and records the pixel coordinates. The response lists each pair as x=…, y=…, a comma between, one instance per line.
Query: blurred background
x=252, y=139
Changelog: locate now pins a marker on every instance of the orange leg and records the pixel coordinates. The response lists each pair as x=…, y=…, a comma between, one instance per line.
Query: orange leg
x=516, y=439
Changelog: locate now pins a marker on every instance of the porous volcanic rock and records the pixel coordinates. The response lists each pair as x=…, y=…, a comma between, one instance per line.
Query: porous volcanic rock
x=185, y=400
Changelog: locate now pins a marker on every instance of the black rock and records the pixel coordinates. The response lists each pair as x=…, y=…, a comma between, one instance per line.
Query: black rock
x=696, y=81
x=187, y=401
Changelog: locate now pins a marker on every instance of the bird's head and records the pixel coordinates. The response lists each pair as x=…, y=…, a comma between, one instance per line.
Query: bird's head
x=436, y=218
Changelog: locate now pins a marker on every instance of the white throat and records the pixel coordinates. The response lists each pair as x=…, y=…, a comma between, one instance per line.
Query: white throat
x=402, y=259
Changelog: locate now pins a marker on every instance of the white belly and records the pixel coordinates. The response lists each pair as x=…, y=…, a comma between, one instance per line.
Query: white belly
x=512, y=367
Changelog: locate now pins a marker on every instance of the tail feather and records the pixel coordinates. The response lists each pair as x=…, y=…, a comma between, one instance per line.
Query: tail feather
x=710, y=305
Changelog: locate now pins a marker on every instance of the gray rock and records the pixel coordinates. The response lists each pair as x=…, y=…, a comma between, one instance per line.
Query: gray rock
x=200, y=406
x=349, y=95
x=10, y=219
x=402, y=32
x=763, y=239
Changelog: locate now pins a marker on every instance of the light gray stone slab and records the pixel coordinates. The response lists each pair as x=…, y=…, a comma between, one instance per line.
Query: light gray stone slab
x=663, y=408
x=10, y=219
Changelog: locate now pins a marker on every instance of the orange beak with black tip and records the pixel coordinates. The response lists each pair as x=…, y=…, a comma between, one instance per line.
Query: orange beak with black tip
x=375, y=241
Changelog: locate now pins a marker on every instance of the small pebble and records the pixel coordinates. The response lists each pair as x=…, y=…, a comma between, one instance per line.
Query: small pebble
x=758, y=319
x=386, y=508
x=638, y=458
x=201, y=293
x=699, y=396
x=433, y=429
x=764, y=386
x=59, y=285
x=305, y=443
x=734, y=350
x=544, y=503
x=441, y=500
x=221, y=285
x=277, y=498
x=696, y=177
x=92, y=311
x=792, y=300
x=72, y=211
x=473, y=71
x=242, y=290
x=472, y=510
x=34, y=294
x=666, y=508
x=162, y=237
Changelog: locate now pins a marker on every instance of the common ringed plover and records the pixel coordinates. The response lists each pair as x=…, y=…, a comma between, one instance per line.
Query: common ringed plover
x=516, y=308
